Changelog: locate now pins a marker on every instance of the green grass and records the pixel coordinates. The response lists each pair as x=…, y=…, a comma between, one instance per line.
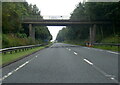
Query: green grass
x=7, y=58
x=111, y=39
x=113, y=48
x=81, y=43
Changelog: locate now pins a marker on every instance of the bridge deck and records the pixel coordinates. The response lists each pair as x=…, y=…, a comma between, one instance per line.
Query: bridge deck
x=61, y=22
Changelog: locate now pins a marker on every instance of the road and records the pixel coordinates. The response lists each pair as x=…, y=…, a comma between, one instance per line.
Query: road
x=64, y=63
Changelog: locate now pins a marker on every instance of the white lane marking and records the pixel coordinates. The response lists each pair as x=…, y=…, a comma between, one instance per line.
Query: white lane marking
x=113, y=52
x=10, y=73
x=112, y=77
x=36, y=56
x=16, y=69
x=69, y=49
x=75, y=53
x=87, y=47
x=88, y=61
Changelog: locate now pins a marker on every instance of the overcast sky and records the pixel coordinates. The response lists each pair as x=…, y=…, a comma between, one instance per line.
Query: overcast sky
x=55, y=8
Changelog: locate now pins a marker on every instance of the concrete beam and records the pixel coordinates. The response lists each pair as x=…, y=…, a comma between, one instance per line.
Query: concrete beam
x=92, y=33
x=31, y=32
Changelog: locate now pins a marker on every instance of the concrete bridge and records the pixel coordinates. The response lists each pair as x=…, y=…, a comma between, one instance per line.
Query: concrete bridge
x=63, y=22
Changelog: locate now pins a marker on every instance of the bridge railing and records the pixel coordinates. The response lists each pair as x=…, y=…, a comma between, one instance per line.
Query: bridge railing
x=31, y=18
x=19, y=48
x=36, y=17
x=57, y=17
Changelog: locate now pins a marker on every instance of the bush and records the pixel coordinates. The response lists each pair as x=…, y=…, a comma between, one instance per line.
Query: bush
x=11, y=40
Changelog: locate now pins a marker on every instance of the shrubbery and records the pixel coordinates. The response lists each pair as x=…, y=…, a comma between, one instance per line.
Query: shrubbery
x=11, y=40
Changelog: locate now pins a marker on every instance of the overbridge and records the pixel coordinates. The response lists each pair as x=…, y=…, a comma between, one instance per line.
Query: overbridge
x=62, y=22
x=34, y=21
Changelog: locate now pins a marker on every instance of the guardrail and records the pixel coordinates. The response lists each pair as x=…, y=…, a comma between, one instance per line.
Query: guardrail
x=20, y=48
x=110, y=44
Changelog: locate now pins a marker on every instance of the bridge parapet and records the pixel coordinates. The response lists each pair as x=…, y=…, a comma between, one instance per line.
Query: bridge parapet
x=58, y=17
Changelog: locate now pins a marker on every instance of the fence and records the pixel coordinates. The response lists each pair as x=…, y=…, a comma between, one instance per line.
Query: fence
x=20, y=48
x=107, y=44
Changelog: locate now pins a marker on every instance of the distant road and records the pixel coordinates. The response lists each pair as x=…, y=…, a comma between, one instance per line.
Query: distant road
x=65, y=63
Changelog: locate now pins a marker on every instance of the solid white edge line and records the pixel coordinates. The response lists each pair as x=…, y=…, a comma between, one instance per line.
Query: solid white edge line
x=113, y=52
x=88, y=61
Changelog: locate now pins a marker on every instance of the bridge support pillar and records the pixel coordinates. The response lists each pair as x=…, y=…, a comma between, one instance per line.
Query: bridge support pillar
x=92, y=33
x=31, y=32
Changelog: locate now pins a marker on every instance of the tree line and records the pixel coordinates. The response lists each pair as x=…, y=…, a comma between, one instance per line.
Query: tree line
x=92, y=11
x=12, y=29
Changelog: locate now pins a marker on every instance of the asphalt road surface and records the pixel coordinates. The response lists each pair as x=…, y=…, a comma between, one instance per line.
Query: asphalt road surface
x=64, y=63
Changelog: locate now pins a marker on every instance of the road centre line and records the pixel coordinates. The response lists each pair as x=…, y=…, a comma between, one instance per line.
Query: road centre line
x=88, y=61
x=75, y=53
x=112, y=77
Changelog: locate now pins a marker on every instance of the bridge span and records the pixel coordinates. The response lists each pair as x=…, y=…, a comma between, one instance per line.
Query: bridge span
x=92, y=25
x=63, y=22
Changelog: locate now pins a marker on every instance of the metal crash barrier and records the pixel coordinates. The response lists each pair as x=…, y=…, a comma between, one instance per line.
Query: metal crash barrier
x=20, y=48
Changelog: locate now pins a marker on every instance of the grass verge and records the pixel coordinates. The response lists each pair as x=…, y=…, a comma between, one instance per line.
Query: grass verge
x=8, y=58
x=112, y=48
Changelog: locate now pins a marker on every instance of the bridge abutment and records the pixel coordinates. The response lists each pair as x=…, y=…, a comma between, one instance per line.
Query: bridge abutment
x=92, y=32
x=31, y=32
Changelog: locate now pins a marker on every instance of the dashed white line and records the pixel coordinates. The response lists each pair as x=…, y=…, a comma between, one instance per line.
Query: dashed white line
x=69, y=49
x=75, y=53
x=10, y=73
x=112, y=78
x=16, y=69
x=88, y=61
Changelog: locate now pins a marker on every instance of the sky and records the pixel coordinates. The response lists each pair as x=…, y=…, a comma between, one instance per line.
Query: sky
x=53, y=9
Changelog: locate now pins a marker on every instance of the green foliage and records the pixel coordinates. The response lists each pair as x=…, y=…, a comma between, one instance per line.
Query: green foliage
x=42, y=33
x=14, y=32
x=113, y=48
x=111, y=39
x=11, y=40
x=95, y=11
x=23, y=35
